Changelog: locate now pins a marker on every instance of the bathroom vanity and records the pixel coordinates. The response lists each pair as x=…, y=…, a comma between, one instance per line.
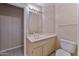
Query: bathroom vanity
x=41, y=44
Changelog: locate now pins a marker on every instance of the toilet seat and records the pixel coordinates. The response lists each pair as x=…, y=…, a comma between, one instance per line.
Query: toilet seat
x=61, y=52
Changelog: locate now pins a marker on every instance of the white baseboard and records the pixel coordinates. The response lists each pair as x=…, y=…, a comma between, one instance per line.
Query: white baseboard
x=11, y=48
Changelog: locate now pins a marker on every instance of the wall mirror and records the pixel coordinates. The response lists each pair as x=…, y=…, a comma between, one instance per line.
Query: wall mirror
x=35, y=20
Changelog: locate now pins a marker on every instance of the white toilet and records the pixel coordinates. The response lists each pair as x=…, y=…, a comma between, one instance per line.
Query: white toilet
x=67, y=48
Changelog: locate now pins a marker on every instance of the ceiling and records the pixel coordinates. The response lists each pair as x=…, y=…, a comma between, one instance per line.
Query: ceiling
x=44, y=4
x=40, y=4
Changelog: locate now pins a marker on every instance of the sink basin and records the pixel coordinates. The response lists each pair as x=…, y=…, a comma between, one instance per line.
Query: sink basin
x=40, y=36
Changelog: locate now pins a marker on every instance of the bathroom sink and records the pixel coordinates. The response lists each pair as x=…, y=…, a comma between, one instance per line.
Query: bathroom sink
x=39, y=36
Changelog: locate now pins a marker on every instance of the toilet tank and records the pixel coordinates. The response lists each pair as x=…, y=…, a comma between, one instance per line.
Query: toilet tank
x=68, y=45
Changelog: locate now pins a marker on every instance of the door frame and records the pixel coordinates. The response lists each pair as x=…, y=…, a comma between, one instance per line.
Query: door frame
x=77, y=29
x=25, y=19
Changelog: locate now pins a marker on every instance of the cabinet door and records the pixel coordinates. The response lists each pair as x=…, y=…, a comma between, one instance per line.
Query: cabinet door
x=45, y=49
x=37, y=51
x=51, y=45
x=48, y=47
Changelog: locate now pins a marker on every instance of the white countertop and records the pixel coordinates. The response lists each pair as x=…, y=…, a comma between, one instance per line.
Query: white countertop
x=40, y=36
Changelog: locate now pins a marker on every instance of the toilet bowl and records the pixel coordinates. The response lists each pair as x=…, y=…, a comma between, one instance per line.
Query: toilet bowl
x=67, y=48
x=61, y=52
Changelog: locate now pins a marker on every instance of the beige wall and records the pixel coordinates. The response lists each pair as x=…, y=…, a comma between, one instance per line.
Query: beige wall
x=62, y=19
x=66, y=21
x=49, y=19
x=11, y=28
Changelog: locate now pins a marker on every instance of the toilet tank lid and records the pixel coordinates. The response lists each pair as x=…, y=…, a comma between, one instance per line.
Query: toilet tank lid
x=68, y=41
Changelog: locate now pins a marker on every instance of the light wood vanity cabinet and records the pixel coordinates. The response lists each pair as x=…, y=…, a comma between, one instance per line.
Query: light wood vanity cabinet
x=42, y=47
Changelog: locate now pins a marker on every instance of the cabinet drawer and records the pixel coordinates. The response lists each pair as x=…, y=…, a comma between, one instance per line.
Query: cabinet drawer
x=40, y=43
